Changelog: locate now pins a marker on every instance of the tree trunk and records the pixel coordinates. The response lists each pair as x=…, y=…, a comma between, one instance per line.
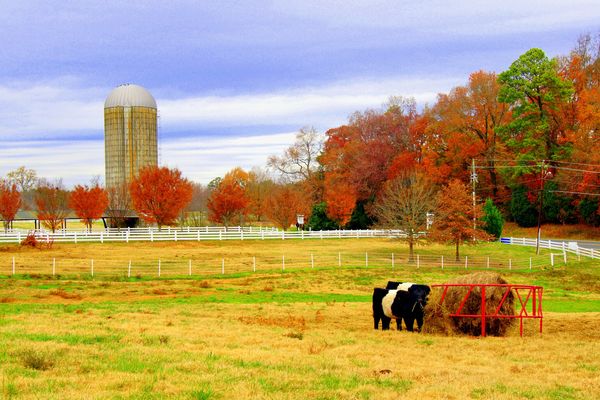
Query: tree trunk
x=457, y=255
x=411, y=257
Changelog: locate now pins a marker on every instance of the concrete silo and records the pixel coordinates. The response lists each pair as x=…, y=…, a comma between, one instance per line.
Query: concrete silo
x=129, y=133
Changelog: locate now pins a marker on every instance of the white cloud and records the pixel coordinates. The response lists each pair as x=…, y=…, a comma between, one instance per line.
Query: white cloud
x=55, y=110
x=199, y=158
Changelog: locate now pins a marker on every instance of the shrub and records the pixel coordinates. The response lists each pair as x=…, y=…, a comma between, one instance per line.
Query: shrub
x=493, y=219
x=523, y=212
x=319, y=221
x=36, y=360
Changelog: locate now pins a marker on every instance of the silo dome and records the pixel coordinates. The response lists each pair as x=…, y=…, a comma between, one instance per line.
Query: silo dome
x=130, y=95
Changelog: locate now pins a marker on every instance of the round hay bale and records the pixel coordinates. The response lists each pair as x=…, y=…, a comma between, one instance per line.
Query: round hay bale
x=437, y=317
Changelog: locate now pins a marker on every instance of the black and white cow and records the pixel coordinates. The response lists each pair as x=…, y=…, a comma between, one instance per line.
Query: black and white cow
x=400, y=301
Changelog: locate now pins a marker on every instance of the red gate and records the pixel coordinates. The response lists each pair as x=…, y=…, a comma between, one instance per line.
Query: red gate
x=522, y=293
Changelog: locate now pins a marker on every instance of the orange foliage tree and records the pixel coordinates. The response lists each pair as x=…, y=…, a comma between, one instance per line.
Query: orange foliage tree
x=229, y=199
x=340, y=197
x=10, y=201
x=52, y=202
x=159, y=194
x=89, y=203
x=454, y=216
x=283, y=204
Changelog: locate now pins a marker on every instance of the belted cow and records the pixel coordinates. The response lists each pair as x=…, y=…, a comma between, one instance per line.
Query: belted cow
x=400, y=301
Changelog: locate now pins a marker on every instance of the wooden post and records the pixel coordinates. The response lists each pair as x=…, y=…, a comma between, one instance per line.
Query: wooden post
x=159, y=267
x=510, y=263
x=312, y=260
x=254, y=264
x=466, y=262
x=339, y=259
x=366, y=260
x=189, y=267
x=392, y=261
x=223, y=266
x=283, y=263
x=488, y=262
x=129, y=269
x=442, y=262
x=530, y=263
x=418, y=261
x=92, y=267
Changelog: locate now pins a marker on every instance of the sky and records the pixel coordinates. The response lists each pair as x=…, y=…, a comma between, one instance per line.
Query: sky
x=235, y=80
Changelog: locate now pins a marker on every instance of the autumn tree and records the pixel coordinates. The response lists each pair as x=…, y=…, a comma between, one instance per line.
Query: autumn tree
x=404, y=205
x=25, y=178
x=299, y=162
x=229, y=199
x=52, y=203
x=340, y=197
x=258, y=191
x=89, y=203
x=159, y=194
x=119, y=205
x=10, y=201
x=454, y=216
x=283, y=204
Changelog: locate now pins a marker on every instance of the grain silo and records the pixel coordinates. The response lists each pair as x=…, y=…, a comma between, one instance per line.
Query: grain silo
x=129, y=133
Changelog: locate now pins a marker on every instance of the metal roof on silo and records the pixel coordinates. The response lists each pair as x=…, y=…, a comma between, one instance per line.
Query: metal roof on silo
x=129, y=95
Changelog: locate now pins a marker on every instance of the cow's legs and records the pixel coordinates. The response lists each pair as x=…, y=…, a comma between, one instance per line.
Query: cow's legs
x=419, y=322
x=409, y=320
x=385, y=323
x=399, y=323
x=376, y=319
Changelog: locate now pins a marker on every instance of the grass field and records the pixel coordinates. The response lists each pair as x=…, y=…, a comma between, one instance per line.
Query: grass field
x=301, y=333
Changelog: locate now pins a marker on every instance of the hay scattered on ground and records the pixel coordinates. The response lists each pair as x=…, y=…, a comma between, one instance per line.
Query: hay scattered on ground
x=437, y=317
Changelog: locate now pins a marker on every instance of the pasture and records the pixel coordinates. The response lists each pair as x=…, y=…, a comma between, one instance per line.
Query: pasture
x=298, y=333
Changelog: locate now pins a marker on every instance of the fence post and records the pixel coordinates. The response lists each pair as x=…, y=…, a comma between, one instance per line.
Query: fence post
x=129, y=269
x=392, y=261
x=302, y=234
x=510, y=263
x=488, y=262
x=466, y=262
x=564, y=254
x=242, y=235
x=283, y=263
x=151, y=235
x=312, y=260
x=552, y=259
x=442, y=262
x=159, y=266
x=223, y=266
x=483, y=311
x=282, y=235
x=220, y=236
x=74, y=236
x=92, y=267
x=418, y=261
x=13, y=265
x=366, y=260
x=189, y=267
x=339, y=259
x=53, y=266
x=254, y=264
x=198, y=235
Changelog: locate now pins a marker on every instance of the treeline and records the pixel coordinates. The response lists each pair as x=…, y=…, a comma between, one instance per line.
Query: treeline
x=526, y=139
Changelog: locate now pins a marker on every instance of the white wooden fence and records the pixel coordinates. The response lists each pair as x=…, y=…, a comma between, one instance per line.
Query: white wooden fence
x=187, y=234
x=225, y=264
x=562, y=246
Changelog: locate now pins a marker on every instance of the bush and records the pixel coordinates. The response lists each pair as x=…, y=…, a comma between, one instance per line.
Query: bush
x=36, y=360
x=588, y=209
x=319, y=221
x=493, y=219
x=523, y=212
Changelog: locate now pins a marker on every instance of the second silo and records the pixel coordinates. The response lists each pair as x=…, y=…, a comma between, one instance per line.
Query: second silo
x=129, y=133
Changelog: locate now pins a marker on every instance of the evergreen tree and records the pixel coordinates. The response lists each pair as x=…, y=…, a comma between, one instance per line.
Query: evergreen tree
x=493, y=219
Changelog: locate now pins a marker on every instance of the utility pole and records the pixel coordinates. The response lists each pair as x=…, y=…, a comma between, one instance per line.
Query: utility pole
x=541, y=205
x=473, y=182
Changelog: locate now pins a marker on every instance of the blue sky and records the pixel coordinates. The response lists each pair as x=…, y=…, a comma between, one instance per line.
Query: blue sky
x=235, y=80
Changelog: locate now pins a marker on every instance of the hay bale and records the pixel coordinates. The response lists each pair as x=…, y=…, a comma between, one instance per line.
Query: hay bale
x=437, y=319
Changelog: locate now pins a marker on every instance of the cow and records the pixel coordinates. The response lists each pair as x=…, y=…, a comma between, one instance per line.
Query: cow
x=404, y=302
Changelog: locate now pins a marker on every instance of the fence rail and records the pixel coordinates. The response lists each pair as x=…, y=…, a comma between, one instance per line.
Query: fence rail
x=562, y=246
x=224, y=264
x=188, y=234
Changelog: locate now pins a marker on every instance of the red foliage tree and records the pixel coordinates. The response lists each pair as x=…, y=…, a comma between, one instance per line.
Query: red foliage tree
x=52, y=205
x=229, y=199
x=159, y=194
x=10, y=201
x=454, y=216
x=340, y=197
x=283, y=204
x=88, y=203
